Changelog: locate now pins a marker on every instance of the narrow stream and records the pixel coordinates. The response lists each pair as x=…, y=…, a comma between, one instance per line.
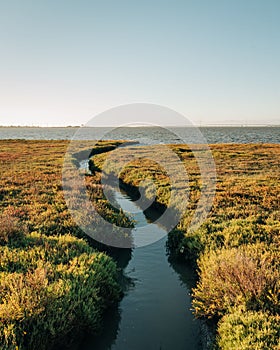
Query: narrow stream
x=155, y=310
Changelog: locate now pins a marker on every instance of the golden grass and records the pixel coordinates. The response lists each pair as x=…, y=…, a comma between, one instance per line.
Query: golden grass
x=236, y=248
x=44, y=265
x=52, y=283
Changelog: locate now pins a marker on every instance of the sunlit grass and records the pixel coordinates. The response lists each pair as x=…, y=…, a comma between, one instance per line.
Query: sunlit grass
x=236, y=248
x=52, y=283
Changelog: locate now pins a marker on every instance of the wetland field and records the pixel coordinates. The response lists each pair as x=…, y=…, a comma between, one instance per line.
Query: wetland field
x=214, y=287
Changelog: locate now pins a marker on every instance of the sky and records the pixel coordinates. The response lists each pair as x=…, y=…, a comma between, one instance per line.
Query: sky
x=216, y=62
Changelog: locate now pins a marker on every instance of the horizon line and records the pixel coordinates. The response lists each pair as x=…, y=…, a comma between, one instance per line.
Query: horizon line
x=146, y=126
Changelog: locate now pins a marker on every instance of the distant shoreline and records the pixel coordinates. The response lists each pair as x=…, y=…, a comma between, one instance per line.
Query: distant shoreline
x=143, y=126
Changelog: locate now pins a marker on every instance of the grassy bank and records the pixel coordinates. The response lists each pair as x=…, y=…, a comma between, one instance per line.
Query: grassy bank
x=236, y=249
x=53, y=284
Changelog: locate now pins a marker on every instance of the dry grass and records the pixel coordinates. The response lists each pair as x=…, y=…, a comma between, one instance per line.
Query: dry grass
x=52, y=282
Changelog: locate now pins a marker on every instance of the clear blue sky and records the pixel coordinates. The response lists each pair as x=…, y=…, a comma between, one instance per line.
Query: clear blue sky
x=62, y=61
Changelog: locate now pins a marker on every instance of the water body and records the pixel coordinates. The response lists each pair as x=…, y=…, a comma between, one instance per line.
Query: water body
x=155, y=312
x=148, y=135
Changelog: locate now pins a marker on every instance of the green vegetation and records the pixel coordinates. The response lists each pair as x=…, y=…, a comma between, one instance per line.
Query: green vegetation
x=246, y=276
x=246, y=330
x=236, y=249
x=53, y=284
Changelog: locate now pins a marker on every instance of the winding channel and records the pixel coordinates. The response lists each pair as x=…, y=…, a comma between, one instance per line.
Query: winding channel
x=155, y=312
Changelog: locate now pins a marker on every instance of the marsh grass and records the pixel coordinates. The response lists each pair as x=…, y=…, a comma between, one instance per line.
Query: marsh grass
x=236, y=249
x=53, y=284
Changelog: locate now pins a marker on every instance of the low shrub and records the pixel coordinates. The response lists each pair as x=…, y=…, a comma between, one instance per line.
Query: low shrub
x=247, y=330
x=248, y=276
x=50, y=301
x=12, y=230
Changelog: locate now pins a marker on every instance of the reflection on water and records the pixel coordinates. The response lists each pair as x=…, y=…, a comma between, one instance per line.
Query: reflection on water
x=155, y=310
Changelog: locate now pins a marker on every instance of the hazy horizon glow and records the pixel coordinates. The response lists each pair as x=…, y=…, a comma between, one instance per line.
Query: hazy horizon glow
x=217, y=62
